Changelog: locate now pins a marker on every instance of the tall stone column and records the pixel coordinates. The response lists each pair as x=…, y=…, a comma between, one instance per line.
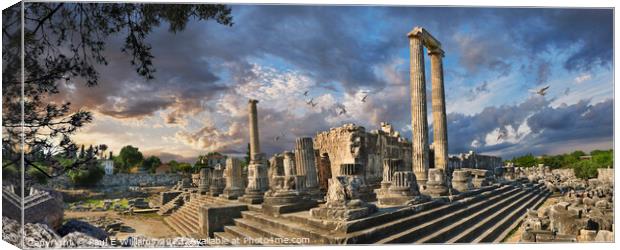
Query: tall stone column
x=419, y=124
x=253, y=124
x=305, y=163
x=257, y=169
x=440, y=130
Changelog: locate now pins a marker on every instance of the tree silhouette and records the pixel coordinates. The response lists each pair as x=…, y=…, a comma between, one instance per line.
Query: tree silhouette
x=62, y=42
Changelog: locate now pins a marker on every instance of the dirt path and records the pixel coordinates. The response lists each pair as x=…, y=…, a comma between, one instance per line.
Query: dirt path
x=150, y=225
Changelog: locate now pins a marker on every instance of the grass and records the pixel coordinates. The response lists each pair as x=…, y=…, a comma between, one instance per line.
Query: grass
x=123, y=203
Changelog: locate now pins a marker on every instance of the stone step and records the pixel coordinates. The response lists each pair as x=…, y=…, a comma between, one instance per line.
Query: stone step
x=488, y=224
x=425, y=227
x=477, y=219
x=264, y=230
x=188, y=223
x=189, y=214
x=224, y=237
x=284, y=224
x=246, y=237
x=406, y=218
x=506, y=225
x=187, y=219
x=177, y=227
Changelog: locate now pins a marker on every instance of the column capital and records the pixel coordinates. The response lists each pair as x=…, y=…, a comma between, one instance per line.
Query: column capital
x=417, y=32
x=428, y=39
x=436, y=51
x=252, y=101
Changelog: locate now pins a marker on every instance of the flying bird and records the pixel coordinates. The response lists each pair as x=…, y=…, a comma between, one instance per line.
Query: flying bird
x=342, y=111
x=501, y=135
x=542, y=91
x=276, y=138
x=306, y=92
x=311, y=103
x=364, y=98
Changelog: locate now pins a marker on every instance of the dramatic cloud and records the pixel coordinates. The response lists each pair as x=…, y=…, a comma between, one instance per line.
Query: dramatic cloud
x=340, y=54
x=529, y=125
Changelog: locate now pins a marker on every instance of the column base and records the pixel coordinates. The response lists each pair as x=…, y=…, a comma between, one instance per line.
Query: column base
x=286, y=203
x=231, y=194
x=252, y=197
x=344, y=213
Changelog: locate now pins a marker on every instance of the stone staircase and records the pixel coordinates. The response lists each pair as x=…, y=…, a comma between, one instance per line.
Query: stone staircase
x=185, y=220
x=172, y=205
x=483, y=215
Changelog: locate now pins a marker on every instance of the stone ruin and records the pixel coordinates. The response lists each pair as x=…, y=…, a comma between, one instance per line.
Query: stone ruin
x=351, y=143
x=343, y=200
x=474, y=160
x=233, y=175
x=582, y=213
x=350, y=186
x=288, y=190
x=39, y=206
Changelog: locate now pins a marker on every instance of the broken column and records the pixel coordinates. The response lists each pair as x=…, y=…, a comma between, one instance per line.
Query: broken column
x=218, y=183
x=257, y=169
x=205, y=180
x=436, y=184
x=397, y=187
x=343, y=201
x=461, y=180
x=325, y=172
x=419, y=124
x=389, y=167
x=306, y=164
x=286, y=192
x=480, y=178
x=440, y=129
x=234, y=179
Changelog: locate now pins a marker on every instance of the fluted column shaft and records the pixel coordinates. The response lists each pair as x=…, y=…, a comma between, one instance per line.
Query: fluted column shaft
x=290, y=168
x=419, y=123
x=305, y=161
x=253, y=124
x=440, y=130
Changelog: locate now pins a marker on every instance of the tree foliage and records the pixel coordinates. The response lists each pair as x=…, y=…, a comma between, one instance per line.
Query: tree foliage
x=128, y=158
x=151, y=163
x=64, y=42
x=584, y=167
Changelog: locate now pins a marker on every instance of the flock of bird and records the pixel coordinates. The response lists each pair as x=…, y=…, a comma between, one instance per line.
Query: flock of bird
x=341, y=109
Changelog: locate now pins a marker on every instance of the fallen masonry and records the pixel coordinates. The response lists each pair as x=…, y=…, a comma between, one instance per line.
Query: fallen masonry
x=582, y=213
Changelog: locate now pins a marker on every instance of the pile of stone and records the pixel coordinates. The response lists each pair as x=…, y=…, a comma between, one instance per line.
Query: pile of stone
x=37, y=235
x=584, y=213
x=41, y=236
x=139, y=203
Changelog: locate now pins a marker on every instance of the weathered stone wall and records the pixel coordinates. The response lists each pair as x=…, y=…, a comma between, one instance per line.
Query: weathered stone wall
x=352, y=144
x=473, y=160
x=120, y=180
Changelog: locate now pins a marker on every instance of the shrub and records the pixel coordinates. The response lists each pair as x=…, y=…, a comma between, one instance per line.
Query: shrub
x=87, y=177
x=36, y=175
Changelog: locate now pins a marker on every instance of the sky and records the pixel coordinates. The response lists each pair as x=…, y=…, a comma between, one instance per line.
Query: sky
x=494, y=57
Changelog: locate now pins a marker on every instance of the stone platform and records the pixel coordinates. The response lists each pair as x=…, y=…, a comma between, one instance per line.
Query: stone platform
x=479, y=215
